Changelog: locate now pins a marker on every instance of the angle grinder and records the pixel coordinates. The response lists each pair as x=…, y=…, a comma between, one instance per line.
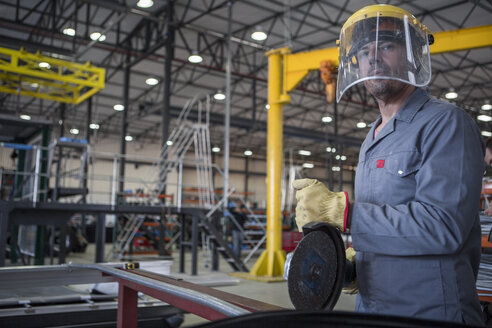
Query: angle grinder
x=318, y=270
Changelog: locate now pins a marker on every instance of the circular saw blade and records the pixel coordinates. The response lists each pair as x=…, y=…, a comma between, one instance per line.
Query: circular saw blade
x=316, y=271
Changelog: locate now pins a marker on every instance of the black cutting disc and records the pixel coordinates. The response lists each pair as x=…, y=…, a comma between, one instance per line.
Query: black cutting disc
x=316, y=270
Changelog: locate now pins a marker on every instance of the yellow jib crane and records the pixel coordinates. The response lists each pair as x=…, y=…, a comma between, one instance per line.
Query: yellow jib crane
x=39, y=76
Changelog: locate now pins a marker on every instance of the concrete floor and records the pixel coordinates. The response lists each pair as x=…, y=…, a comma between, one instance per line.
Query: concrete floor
x=273, y=293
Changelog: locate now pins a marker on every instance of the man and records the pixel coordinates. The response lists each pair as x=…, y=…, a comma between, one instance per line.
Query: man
x=415, y=220
x=237, y=227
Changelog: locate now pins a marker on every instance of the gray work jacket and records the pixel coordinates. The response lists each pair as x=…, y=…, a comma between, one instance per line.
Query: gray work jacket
x=415, y=219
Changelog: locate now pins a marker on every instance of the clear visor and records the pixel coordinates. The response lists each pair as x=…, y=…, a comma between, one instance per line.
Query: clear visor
x=383, y=48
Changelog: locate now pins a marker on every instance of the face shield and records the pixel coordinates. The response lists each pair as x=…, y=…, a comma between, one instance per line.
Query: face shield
x=383, y=42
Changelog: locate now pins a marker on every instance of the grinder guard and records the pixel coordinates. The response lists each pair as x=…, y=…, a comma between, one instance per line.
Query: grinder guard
x=318, y=269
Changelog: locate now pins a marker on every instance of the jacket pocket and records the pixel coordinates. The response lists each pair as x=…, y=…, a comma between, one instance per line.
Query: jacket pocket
x=403, y=163
x=404, y=286
x=393, y=177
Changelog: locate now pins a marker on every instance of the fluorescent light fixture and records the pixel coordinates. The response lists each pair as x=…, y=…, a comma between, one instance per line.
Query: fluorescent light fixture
x=195, y=57
x=304, y=152
x=74, y=131
x=487, y=133
x=335, y=168
x=94, y=126
x=152, y=81
x=258, y=34
x=326, y=119
x=97, y=36
x=486, y=105
x=451, y=94
x=128, y=138
x=44, y=65
x=25, y=117
x=219, y=96
x=169, y=143
x=145, y=3
x=119, y=107
x=69, y=31
x=361, y=124
x=308, y=165
x=248, y=152
x=215, y=149
x=331, y=149
x=484, y=118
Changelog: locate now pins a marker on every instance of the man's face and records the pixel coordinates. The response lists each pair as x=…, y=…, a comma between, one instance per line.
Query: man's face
x=488, y=157
x=383, y=58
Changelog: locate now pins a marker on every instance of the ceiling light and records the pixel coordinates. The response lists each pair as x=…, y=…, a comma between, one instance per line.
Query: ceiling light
x=341, y=157
x=169, y=143
x=94, y=126
x=195, y=57
x=304, y=152
x=215, y=149
x=97, y=36
x=145, y=3
x=451, y=94
x=74, y=131
x=128, y=138
x=308, y=165
x=248, y=152
x=487, y=133
x=484, y=118
x=219, y=96
x=486, y=105
x=267, y=106
x=326, y=119
x=25, y=117
x=119, y=107
x=34, y=85
x=258, y=34
x=152, y=81
x=335, y=168
x=361, y=124
x=44, y=65
x=69, y=31
x=330, y=149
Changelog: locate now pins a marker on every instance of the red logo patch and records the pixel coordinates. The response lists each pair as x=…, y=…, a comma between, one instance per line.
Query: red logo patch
x=380, y=163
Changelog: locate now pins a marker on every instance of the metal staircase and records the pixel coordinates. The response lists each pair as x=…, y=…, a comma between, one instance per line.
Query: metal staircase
x=186, y=133
x=125, y=235
x=215, y=237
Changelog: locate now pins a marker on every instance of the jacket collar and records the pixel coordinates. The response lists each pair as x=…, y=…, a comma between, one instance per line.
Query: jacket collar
x=406, y=114
x=413, y=104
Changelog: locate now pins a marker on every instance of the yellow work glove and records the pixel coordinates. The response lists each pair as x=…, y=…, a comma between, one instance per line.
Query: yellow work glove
x=352, y=288
x=316, y=203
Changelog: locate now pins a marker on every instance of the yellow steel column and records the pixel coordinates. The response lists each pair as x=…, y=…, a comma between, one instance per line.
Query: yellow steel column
x=271, y=261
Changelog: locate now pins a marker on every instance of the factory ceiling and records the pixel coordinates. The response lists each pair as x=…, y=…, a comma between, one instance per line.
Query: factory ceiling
x=136, y=40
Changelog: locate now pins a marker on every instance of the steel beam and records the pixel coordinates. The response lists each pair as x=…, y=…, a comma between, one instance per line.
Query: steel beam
x=271, y=261
x=462, y=39
x=63, y=81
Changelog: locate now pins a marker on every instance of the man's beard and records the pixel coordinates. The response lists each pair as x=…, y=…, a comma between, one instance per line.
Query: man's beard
x=383, y=89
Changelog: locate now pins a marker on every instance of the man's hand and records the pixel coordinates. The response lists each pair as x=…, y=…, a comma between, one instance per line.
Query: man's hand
x=488, y=211
x=316, y=203
x=352, y=288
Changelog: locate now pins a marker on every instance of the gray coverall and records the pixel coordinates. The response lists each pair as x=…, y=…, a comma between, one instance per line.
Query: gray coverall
x=415, y=219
